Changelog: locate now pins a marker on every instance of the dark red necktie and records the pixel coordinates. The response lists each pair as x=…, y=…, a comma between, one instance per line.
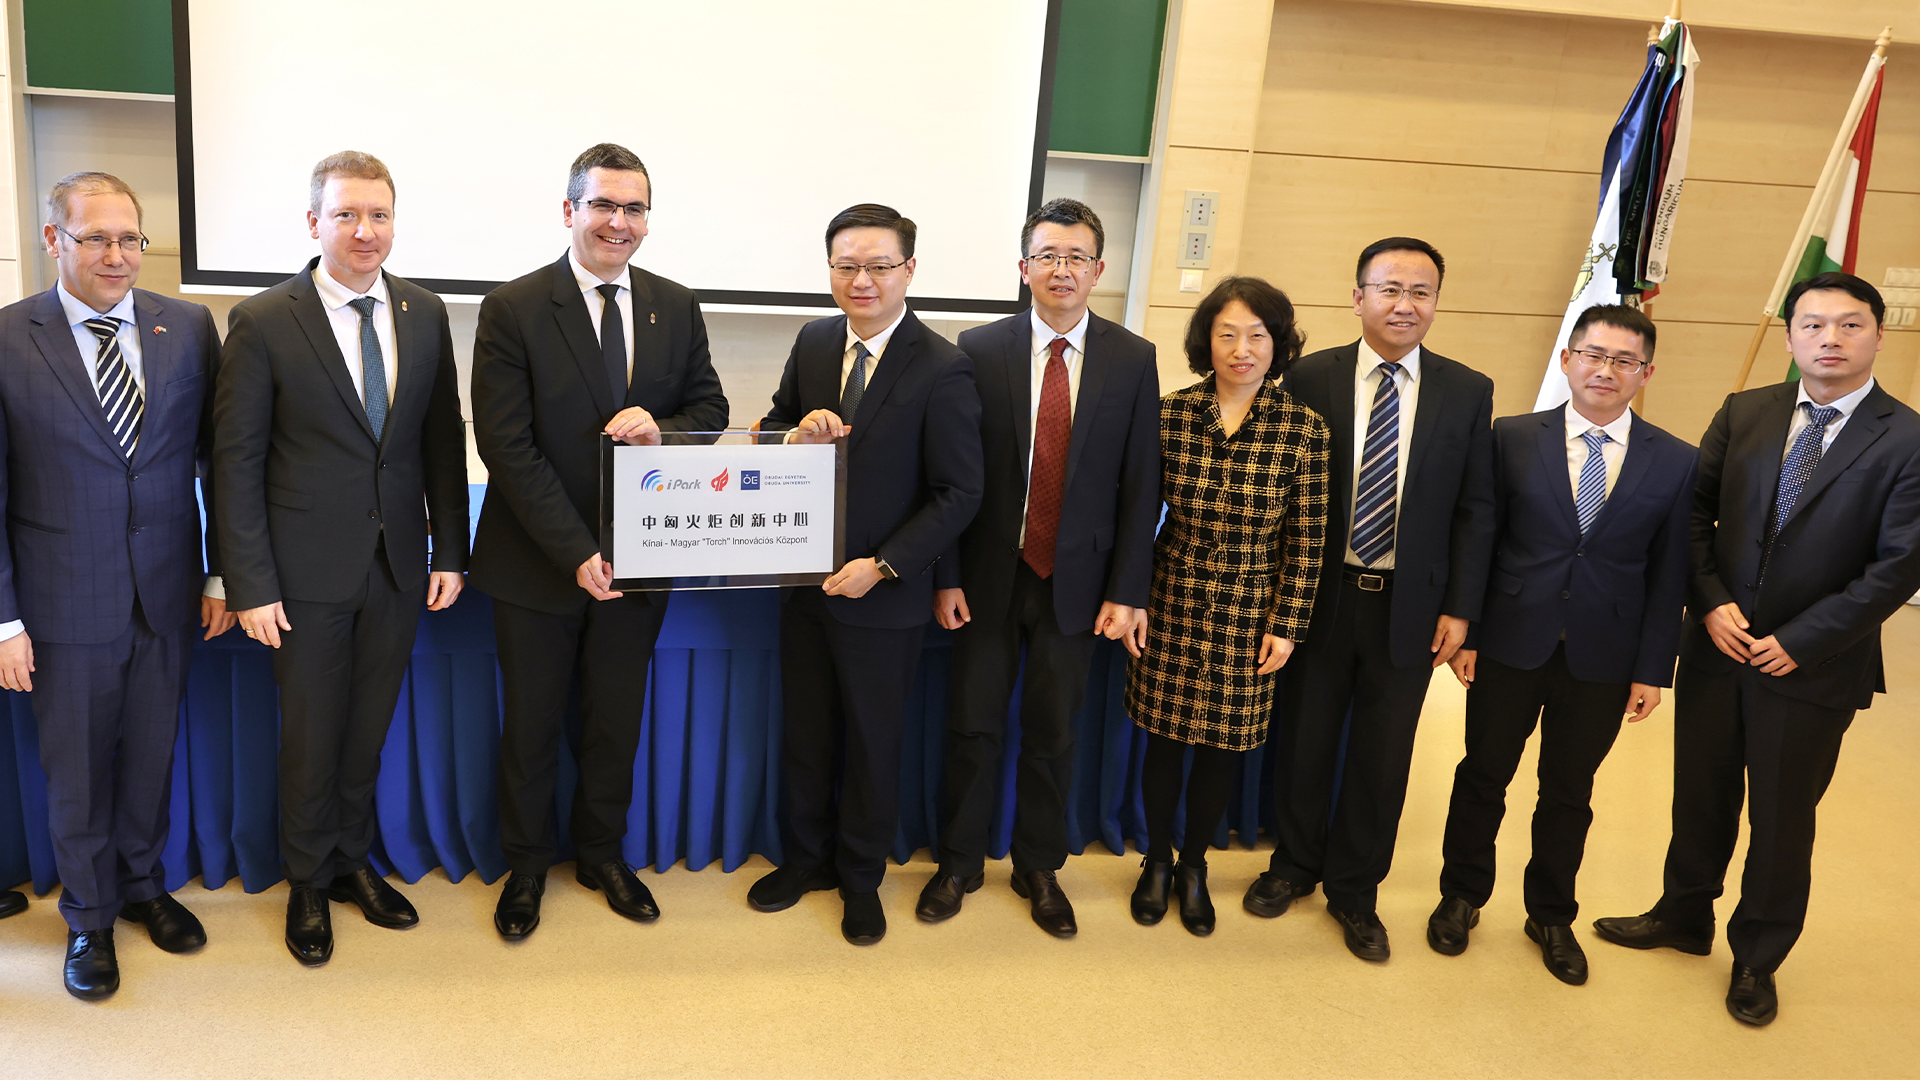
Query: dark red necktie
x=1048, y=477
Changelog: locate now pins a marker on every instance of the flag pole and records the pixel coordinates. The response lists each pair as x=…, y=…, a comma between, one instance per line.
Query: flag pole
x=1834, y=157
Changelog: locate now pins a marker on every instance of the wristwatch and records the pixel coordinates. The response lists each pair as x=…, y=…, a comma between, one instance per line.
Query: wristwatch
x=886, y=571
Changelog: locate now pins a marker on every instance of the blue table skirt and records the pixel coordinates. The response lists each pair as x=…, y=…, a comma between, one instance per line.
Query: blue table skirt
x=705, y=779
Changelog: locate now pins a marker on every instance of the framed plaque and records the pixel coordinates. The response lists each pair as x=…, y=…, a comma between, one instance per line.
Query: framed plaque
x=722, y=510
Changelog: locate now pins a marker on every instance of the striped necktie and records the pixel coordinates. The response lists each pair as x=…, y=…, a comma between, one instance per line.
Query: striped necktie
x=1592, y=493
x=1373, y=508
x=120, y=396
x=856, y=384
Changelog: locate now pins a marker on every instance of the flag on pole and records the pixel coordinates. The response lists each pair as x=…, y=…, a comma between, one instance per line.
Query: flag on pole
x=1641, y=175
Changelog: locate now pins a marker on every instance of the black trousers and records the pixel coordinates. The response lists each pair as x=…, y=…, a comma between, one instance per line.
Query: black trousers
x=107, y=715
x=1734, y=738
x=608, y=646
x=1346, y=673
x=1578, y=724
x=986, y=662
x=1209, y=785
x=339, y=670
x=844, y=690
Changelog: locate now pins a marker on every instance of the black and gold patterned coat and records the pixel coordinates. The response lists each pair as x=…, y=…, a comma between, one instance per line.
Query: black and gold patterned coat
x=1238, y=557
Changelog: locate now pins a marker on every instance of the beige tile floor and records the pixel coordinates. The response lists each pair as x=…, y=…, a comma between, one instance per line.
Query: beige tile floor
x=714, y=989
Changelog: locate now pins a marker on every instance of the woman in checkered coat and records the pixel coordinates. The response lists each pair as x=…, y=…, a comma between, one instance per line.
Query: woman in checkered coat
x=1234, y=573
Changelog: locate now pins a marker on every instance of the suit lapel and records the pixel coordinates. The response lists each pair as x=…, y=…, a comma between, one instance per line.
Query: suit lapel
x=413, y=362
x=1340, y=375
x=648, y=333
x=1093, y=377
x=1863, y=429
x=311, y=315
x=1015, y=355
x=576, y=326
x=1771, y=448
x=158, y=361
x=900, y=351
x=1553, y=459
x=1426, y=413
x=55, y=339
x=1633, y=469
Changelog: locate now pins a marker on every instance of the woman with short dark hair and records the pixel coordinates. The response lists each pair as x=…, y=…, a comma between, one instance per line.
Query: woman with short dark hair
x=1234, y=574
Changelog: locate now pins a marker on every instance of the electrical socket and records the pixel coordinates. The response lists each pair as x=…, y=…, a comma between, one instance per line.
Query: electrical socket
x=1200, y=210
x=1196, y=230
x=1196, y=247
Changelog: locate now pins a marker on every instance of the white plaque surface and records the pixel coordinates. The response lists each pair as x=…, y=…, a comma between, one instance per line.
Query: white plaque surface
x=723, y=511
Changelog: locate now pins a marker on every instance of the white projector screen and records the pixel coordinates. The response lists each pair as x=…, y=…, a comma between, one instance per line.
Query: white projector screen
x=758, y=120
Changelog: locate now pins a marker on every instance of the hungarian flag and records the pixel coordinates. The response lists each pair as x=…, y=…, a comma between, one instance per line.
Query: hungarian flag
x=1641, y=175
x=1830, y=229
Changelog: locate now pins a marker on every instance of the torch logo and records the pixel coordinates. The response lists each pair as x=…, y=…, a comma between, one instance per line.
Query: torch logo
x=720, y=482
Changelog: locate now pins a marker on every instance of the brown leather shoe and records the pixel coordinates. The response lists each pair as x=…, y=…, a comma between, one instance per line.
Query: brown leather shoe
x=1051, y=910
x=940, y=900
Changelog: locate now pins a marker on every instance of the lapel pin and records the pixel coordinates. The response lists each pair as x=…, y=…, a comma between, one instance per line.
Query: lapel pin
x=159, y=329
x=651, y=318
x=403, y=305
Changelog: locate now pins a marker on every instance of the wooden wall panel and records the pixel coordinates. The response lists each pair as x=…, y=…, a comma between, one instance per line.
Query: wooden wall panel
x=1851, y=19
x=1218, y=73
x=1186, y=169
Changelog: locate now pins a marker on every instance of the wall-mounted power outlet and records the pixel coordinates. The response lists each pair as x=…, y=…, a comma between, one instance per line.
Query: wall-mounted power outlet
x=1196, y=230
x=1196, y=248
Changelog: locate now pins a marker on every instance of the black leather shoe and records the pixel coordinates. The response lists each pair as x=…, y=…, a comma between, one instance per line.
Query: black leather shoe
x=12, y=903
x=1448, y=925
x=380, y=902
x=940, y=900
x=1560, y=952
x=1366, y=934
x=784, y=887
x=625, y=893
x=865, y=921
x=1052, y=911
x=1647, y=932
x=1150, y=894
x=519, y=909
x=93, y=972
x=1751, y=997
x=1271, y=895
x=309, y=926
x=168, y=923
x=1196, y=907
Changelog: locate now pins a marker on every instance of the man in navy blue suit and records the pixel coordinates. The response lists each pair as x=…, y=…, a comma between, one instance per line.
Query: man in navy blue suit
x=1581, y=624
x=104, y=419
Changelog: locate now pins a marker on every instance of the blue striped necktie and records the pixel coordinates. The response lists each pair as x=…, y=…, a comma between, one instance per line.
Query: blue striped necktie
x=373, y=367
x=1592, y=493
x=120, y=396
x=1801, y=461
x=1373, y=508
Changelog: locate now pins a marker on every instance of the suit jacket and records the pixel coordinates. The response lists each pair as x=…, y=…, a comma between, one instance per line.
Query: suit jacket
x=913, y=458
x=1616, y=593
x=1444, y=524
x=1110, y=503
x=1845, y=560
x=306, y=493
x=87, y=531
x=540, y=401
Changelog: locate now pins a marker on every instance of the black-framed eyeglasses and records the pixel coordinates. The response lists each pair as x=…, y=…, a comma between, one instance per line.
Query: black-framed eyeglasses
x=1624, y=363
x=1419, y=294
x=607, y=208
x=876, y=271
x=1047, y=260
x=98, y=244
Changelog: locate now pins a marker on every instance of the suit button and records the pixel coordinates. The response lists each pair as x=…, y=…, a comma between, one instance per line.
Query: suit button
x=383, y=464
x=138, y=529
x=1564, y=594
x=133, y=476
x=374, y=515
x=1582, y=551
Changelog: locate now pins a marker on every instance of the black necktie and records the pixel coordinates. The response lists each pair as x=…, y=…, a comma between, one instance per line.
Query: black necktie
x=613, y=344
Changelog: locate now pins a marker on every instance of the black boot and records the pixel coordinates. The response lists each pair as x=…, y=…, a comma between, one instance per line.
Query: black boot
x=1196, y=907
x=1150, y=895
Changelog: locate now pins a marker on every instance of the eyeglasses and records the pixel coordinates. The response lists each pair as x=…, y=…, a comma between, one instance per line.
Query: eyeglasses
x=876, y=271
x=1624, y=363
x=1047, y=260
x=603, y=208
x=1419, y=294
x=97, y=244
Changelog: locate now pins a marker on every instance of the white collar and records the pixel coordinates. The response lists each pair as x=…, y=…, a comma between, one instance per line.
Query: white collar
x=589, y=281
x=1578, y=425
x=876, y=344
x=1846, y=405
x=78, y=312
x=1043, y=334
x=335, y=295
x=1369, y=360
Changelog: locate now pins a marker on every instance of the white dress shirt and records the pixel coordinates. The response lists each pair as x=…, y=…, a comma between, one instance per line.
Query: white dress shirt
x=597, y=304
x=78, y=313
x=1040, y=353
x=877, y=345
x=346, y=327
x=1800, y=420
x=1366, y=381
x=1614, y=453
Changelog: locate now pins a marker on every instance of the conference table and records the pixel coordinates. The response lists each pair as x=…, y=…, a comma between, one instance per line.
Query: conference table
x=706, y=779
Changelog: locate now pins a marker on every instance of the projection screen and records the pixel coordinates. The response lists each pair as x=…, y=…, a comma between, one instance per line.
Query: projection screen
x=757, y=121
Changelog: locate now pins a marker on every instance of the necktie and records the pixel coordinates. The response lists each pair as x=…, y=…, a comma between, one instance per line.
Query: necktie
x=373, y=367
x=1592, y=492
x=120, y=397
x=613, y=343
x=856, y=384
x=1373, y=509
x=1047, y=481
x=1800, y=463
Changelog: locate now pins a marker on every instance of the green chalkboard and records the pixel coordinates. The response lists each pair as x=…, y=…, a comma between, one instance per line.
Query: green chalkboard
x=119, y=45
x=1106, y=76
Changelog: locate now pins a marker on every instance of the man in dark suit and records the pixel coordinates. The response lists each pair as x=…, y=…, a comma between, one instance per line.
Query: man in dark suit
x=339, y=449
x=904, y=399
x=105, y=394
x=1405, y=570
x=583, y=346
x=1806, y=537
x=1061, y=550
x=1581, y=624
